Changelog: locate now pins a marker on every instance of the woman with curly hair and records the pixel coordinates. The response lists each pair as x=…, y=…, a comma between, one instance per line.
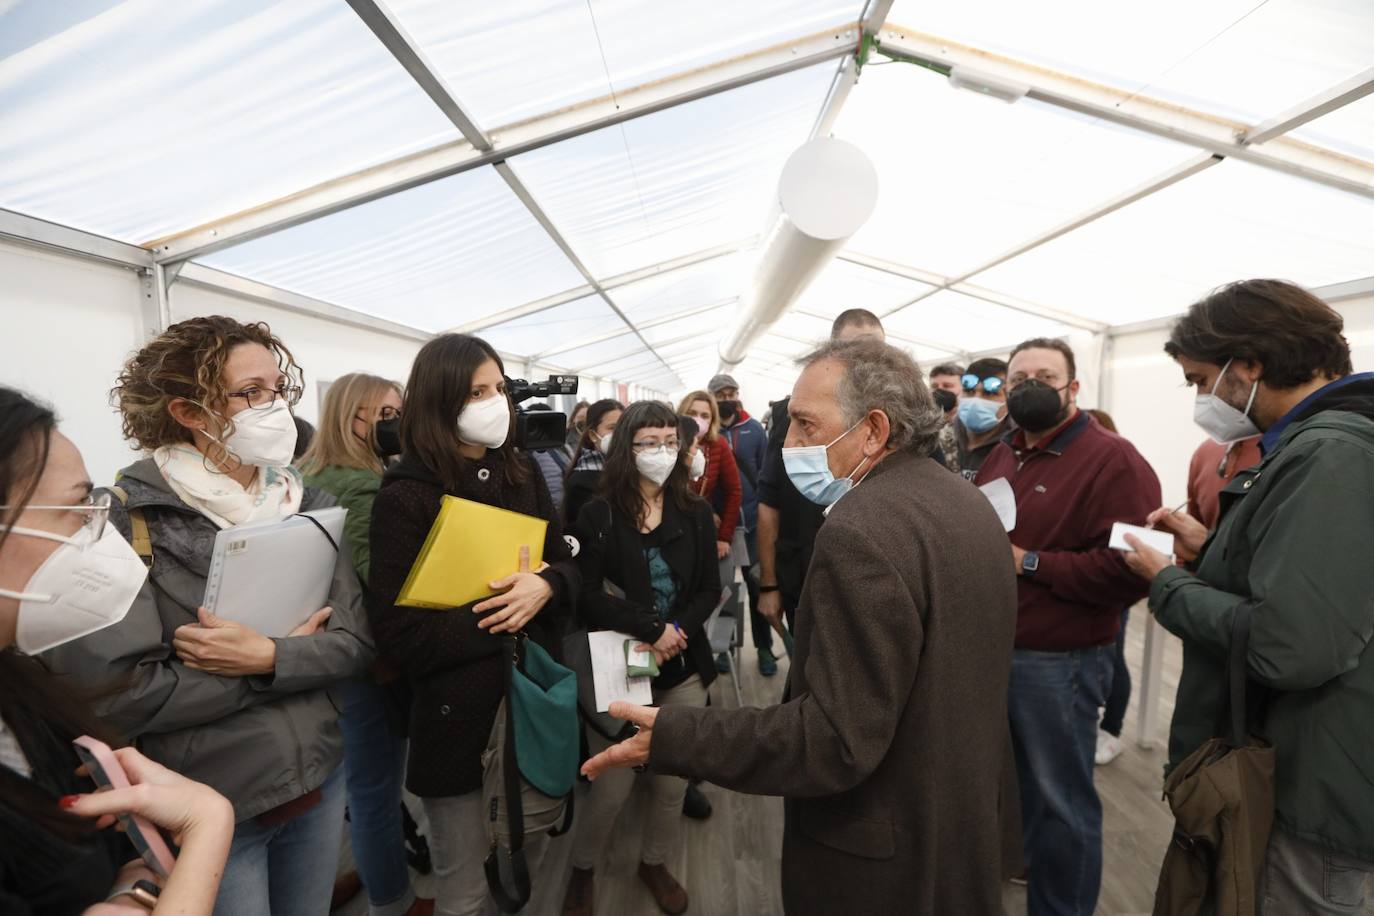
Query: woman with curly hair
x=209, y=402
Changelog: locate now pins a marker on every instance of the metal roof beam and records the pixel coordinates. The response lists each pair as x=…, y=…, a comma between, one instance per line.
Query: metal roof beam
x=39, y=233
x=680, y=315
x=1140, y=112
x=610, y=283
x=1338, y=96
x=452, y=158
x=518, y=187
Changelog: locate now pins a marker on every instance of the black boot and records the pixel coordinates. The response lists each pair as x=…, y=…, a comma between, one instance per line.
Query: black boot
x=696, y=805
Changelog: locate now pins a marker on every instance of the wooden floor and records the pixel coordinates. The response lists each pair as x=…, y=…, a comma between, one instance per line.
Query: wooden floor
x=730, y=863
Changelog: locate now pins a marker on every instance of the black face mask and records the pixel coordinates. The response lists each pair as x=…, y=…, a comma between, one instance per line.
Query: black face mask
x=388, y=437
x=727, y=409
x=1035, y=406
x=945, y=399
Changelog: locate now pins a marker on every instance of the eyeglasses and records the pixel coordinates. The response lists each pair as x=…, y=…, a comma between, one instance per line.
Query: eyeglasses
x=385, y=415
x=1047, y=378
x=263, y=398
x=640, y=448
x=96, y=510
x=991, y=385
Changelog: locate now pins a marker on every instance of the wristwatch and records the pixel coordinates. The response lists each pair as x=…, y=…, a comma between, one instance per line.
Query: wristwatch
x=1030, y=562
x=143, y=892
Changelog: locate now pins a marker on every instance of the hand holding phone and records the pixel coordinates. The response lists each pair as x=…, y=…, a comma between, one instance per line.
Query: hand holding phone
x=107, y=772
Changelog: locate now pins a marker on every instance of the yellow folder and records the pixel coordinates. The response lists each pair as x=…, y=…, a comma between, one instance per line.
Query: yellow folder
x=470, y=546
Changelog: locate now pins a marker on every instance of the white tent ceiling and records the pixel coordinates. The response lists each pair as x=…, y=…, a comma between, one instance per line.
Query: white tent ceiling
x=584, y=182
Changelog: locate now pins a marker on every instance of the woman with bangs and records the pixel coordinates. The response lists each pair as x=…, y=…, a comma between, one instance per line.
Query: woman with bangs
x=209, y=403
x=649, y=570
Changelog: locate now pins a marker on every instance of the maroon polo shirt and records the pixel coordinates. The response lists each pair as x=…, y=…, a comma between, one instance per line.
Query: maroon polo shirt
x=1070, y=489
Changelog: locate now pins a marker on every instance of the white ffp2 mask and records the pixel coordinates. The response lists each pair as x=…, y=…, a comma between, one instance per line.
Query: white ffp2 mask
x=657, y=466
x=698, y=467
x=1222, y=421
x=265, y=438
x=486, y=422
x=82, y=587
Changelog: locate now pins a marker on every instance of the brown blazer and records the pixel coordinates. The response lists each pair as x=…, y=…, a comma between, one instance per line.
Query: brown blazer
x=889, y=744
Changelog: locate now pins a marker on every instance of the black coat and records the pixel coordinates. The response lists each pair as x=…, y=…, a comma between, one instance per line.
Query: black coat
x=454, y=668
x=611, y=549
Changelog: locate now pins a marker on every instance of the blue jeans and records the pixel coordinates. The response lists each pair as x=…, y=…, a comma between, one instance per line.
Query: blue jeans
x=286, y=869
x=374, y=759
x=1114, y=715
x=1053, y=704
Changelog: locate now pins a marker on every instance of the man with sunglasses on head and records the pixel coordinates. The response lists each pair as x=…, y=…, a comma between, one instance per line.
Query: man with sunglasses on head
x=982, y=420
x=1072, y=479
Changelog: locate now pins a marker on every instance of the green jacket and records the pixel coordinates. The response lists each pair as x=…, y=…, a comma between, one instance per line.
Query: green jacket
x=1296, y=540
x=355, y=489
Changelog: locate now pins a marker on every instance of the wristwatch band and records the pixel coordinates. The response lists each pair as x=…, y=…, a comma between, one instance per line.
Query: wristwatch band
x=765, y=589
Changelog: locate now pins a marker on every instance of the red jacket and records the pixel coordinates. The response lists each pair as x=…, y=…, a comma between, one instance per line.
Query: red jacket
x=1212, y=468
x=1069, y=490
x=722, y=476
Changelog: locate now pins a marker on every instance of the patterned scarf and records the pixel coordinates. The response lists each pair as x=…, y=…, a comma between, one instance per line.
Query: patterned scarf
x=274, y=494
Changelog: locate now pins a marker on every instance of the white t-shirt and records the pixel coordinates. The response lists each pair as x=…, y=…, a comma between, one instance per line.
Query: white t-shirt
x=11, y=754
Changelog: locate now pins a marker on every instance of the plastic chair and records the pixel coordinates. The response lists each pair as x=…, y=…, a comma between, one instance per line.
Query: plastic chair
x=721, y=634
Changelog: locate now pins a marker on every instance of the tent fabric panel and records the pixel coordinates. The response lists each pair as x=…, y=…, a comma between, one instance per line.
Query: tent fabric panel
x=434, y=257
x=1155, y=257
x=146, y=118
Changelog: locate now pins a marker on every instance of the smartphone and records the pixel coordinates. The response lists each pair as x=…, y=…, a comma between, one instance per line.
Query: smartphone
x=108, y=774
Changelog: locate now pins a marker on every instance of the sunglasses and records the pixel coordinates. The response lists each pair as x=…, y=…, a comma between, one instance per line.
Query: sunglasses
x=991, y=385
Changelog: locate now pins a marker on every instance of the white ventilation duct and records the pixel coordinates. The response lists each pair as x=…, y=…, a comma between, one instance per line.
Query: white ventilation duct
x=827, y=191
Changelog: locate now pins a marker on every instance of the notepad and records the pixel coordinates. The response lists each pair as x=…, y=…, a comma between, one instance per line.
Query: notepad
x=1003, y=500
x=271, y=576
x=469, y=546
x=1162, y=541
x=609, y=674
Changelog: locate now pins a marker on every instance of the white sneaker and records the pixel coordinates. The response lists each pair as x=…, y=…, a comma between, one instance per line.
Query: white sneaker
x=1109, y=748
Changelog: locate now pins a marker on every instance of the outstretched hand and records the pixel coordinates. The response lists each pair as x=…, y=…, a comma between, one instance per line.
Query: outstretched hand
x=632, y=752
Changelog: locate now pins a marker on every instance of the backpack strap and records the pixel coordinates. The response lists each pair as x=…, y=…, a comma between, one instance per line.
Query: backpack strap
x=141, y=541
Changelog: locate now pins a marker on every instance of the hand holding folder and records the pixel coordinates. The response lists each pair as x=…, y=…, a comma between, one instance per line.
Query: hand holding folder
x=468, y=556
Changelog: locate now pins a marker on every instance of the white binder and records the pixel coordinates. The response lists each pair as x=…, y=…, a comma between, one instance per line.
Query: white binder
x=271, y=576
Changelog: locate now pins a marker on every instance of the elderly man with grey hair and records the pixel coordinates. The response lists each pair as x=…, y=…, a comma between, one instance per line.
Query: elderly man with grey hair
x=889, y=741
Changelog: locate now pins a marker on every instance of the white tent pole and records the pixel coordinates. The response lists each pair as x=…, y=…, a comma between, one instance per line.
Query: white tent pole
x=1140, y=112
x=609, y=283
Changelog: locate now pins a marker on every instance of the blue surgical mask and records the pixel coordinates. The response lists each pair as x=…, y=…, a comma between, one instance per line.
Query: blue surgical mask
x=809, y=470
x=978, y=414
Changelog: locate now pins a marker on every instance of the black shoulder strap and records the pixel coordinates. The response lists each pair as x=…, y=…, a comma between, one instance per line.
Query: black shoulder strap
x=323, y=530
x=515, y=811
x=1236, y=730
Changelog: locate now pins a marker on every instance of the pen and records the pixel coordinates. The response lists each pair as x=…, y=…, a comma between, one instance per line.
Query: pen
x=1174, y=510
x=677, y=626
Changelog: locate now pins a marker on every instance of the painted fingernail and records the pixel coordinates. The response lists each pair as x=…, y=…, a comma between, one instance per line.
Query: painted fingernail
x=68, y=801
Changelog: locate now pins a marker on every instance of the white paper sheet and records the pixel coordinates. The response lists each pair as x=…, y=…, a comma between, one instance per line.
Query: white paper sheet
x=1003, y=501
x=1162, y=541
x=608, y=672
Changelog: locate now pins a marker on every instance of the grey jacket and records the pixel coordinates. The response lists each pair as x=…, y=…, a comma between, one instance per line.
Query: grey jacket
x=260, y=741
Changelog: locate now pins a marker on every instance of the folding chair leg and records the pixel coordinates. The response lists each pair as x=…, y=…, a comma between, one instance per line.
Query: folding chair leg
x=734, y=679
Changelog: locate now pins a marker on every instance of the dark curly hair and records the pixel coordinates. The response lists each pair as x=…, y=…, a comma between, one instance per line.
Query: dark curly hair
x=1291, y=332
x=187, y=362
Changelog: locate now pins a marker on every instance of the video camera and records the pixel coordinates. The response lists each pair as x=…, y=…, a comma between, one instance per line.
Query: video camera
x=540, y=429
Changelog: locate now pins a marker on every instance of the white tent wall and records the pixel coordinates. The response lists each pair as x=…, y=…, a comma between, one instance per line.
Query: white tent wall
x=70, y=323
x=80, y=319
x=324, y=349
